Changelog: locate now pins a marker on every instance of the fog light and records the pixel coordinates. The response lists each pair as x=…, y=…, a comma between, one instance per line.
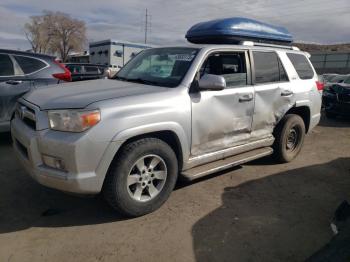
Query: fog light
x=53, y=162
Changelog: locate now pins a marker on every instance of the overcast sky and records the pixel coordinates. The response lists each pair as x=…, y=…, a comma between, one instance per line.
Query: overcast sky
x=317, y=21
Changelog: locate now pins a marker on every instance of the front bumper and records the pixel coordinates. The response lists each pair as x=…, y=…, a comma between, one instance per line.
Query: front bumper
x=84, y=159
x=4, y=126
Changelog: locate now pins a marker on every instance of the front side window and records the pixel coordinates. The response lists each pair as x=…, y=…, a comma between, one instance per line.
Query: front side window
x=6, y=66
x=301, y=65
x=29, y=65
x=268, y=68
x=159, y=66
x=230, y=65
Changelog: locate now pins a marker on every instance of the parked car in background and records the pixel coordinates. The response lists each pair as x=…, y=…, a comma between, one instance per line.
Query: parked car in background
x=328, y=77
x=336, y=99
x=21, y=72
x=336, y=80
x=81, y=71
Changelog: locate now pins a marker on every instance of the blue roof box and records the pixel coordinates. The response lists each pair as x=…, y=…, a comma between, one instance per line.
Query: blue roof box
x=236, y=29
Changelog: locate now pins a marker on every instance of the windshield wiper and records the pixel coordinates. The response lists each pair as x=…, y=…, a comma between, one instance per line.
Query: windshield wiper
x=142, y=81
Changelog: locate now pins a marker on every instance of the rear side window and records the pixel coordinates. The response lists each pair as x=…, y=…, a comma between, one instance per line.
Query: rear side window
x=91, y=69
x=301, y=65
x=29, y=65
x=6, y=66
x=268, y=68
x=74, y=69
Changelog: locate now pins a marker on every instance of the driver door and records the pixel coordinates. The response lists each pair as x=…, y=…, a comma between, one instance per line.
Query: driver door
x=223, y=119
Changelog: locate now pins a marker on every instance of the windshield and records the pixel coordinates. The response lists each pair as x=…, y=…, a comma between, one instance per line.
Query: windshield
x=159, y=66
x=347, y=80
x=338, y=79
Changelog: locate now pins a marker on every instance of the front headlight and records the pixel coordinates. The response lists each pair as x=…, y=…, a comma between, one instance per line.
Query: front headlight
x=73, y=120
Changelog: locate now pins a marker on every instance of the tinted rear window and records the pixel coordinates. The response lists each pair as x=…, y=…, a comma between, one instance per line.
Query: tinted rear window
x=268, y=68
x=29, y=65
x=6, y=66
x=91, y=69
x=301, y=65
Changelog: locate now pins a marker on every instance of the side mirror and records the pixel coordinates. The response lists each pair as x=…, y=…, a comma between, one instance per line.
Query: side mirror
x=212, y=82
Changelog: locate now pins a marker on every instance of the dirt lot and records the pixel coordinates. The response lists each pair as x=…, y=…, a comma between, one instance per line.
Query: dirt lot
x=258, y=212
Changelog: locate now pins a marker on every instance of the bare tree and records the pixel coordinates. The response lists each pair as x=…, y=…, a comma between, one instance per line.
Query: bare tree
x=37, y=35
x=56, y=33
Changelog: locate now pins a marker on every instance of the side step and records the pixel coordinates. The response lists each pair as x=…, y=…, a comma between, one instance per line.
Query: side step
x=226, y=163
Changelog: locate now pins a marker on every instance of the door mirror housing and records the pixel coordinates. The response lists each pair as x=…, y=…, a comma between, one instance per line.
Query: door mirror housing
x=212, y=82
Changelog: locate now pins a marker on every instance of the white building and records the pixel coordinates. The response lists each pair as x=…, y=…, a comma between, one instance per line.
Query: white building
x=114, y=53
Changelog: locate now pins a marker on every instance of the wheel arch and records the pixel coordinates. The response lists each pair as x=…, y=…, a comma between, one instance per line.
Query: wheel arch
x=302, y=111
x=167, y=136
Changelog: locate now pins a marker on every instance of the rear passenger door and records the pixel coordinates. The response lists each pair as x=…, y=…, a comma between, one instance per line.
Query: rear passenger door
x=222, y=119
x=13, y=84
x=273, y=92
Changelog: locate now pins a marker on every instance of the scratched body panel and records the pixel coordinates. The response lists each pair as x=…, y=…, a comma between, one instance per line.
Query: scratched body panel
x=220, y=120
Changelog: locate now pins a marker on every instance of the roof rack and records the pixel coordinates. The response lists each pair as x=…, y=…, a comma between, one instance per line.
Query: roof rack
x=251, y=43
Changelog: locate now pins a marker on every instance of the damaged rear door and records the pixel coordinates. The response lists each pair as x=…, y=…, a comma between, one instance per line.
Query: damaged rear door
x=273, y=93
x=222, y=119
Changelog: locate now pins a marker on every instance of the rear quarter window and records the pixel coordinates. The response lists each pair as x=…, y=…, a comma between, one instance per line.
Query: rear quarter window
x=301, y=65
x=29, y=65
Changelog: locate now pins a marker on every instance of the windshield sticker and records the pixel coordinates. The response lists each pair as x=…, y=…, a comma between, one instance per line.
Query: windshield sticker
x=184, y=57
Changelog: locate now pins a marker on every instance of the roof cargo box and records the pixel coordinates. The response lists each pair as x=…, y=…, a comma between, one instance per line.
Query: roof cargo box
x=236, y=29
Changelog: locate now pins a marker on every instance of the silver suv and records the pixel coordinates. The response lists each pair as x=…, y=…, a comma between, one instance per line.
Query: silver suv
x=173, y=111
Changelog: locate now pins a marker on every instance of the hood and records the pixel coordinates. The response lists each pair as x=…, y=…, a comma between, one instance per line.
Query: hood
x=81, y=94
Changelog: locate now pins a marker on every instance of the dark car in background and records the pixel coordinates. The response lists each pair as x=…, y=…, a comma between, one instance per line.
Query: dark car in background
x=336, y=99
x=328, y=77
x=22, y=71
x=82, y=71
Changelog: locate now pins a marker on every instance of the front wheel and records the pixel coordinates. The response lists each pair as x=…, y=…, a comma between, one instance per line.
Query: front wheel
x=289, y=138
x=142, y=177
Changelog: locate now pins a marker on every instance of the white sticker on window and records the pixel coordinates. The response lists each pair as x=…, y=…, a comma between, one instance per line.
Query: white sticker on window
x=184, y=57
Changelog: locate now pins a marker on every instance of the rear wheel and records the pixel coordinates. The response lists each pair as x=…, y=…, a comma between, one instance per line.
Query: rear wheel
x=289, y=138
x=142, y=177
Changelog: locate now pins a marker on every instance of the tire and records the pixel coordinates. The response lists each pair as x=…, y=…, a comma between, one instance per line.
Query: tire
x=289, y=137
x=124, y=194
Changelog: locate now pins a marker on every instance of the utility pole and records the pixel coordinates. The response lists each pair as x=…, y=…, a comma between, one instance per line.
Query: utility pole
x=147, y=25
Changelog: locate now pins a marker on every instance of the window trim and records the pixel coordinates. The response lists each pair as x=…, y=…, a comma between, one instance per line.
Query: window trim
x=247, y=64
x=253, y=67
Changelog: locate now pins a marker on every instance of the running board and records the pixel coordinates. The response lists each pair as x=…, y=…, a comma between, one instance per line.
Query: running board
x=226, y=163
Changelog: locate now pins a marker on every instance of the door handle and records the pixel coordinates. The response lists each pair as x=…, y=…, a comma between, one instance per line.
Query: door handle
x=14, y=82
x=286, y=93
x=245, y=98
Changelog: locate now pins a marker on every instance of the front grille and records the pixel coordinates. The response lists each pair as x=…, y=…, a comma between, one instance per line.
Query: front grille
x=27, y=115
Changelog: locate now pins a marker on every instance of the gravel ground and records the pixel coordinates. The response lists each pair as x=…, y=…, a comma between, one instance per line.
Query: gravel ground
x=260, y=211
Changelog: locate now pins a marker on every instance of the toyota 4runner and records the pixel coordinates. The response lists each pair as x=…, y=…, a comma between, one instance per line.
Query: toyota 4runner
x=172, y=111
